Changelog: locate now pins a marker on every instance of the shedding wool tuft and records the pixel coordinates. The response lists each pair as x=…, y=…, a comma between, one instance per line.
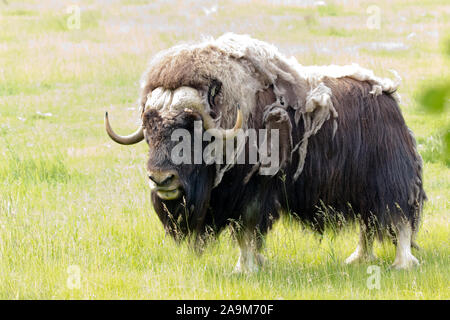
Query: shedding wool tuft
x=319, y=107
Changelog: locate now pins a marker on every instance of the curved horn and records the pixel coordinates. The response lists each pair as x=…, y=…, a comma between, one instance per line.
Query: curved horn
x=133, y=138
x=226, y=133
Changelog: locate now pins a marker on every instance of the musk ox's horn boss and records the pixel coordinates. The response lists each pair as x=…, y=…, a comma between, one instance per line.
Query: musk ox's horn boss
x=344, y=151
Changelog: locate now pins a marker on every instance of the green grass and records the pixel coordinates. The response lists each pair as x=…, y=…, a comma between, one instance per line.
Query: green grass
x=71, y=197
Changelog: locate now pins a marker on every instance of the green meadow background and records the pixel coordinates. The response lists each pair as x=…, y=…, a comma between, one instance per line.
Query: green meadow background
x=76, y=206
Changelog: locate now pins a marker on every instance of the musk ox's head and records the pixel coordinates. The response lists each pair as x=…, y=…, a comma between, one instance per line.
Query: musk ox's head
x=215, y=83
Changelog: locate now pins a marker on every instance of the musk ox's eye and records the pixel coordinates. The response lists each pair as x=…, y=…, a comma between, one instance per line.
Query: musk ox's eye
x=213, y=114
x=213, y=92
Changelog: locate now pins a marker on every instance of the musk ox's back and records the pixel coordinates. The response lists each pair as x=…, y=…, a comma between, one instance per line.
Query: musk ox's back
x=368, y=167
x=344, y=148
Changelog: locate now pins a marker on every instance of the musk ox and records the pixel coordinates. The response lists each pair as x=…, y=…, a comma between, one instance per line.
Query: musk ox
x=343, y=150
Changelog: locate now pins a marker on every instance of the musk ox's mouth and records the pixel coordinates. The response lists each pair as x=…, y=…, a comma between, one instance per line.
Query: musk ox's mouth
x=168, y=189
x=168, y=194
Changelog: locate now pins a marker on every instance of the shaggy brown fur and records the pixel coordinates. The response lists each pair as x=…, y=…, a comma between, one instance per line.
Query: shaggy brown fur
x=345, y=150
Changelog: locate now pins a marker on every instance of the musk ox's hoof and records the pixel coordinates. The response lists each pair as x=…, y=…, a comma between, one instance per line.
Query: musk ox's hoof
x=249, y=265
x=241, y=269
x=238, y=269
x=406, y=262
x=358, y=257
x=355, y=259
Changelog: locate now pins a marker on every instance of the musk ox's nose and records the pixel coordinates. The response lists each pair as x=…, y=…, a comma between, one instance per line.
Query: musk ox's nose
x=161, y=178
x=166, y=184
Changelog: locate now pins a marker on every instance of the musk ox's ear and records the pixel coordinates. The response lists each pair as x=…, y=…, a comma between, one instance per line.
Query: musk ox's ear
x=285, y=93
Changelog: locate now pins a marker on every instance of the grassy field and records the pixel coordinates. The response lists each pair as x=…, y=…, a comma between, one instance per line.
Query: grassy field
x=73, y=201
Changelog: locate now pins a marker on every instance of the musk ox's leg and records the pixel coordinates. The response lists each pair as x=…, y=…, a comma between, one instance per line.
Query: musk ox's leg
x=250, y=260
x=257, y=218
x=364, y=250
x=414, y=244
x=403, y=257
